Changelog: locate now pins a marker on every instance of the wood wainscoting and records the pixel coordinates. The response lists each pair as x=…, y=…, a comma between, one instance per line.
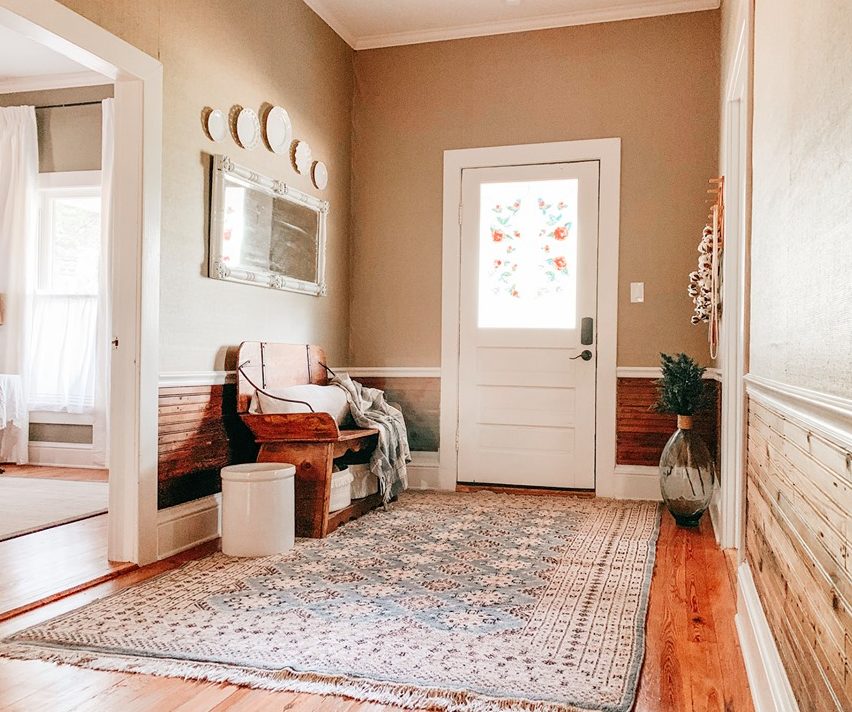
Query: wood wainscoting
x=642, y=433
x=798, y=541
x=199, y=433
x=420, y=399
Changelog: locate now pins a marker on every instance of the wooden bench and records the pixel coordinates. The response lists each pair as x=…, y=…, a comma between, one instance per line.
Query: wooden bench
x=310, y=441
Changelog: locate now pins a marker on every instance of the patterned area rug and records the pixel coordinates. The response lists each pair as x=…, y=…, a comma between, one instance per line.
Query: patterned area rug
x=451, y=601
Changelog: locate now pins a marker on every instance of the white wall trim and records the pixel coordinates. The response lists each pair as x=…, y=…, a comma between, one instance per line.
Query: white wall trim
x=138, y=82
x=767, y=679
x=62, y=454
x=729, y=506
x=320, y=7
x=390, y=371
x=176, y=379
x=608, y=152
x=711, y=374
x=423, y=471
x=187, y=525
x=47, y=82
x=636, y=482
x=825, y=414
x=622, y=11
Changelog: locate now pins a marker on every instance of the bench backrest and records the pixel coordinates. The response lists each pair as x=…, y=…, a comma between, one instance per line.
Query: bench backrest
x=273, y=366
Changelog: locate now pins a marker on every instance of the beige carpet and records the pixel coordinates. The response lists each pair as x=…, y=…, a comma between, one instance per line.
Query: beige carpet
x=458, y=602
x=28, y=504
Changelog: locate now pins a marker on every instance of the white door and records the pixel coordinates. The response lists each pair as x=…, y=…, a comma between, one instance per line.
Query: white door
x=528, y=305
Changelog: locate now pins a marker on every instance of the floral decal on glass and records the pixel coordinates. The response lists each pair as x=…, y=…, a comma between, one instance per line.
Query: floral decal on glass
x=528, y=254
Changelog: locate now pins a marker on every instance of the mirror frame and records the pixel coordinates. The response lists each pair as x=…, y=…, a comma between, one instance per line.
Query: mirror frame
x=224, y=167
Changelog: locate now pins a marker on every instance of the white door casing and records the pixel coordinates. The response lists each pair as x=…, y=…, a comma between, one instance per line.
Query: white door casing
x=608, y=153
x=138, y=82
x=528, y=278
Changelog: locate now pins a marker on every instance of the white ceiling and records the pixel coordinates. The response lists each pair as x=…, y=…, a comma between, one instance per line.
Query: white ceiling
x=365, y=24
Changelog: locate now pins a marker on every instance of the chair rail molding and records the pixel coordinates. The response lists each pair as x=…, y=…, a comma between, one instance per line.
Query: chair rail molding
x=390, y=371
x=711, y=374
x=176, y=379
x=827, y=415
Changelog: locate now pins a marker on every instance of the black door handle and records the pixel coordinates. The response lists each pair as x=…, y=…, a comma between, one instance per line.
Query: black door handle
x=586, y=355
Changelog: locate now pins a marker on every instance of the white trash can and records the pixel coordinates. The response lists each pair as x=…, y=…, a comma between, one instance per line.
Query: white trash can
x=258, y=512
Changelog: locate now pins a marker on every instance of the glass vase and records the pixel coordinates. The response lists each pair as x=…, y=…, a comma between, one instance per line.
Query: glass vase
x=687, y=474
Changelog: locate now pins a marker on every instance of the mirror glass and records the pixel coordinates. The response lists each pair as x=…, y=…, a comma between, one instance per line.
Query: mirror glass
x=268, y=235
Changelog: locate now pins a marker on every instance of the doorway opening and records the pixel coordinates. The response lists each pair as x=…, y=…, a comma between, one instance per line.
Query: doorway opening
x=123, y=435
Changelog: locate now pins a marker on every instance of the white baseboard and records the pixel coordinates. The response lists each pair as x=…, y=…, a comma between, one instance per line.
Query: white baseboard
x=767, y=679
x=186, y=525
x=62, y=455
x=631, y=482
x=423, y=471
x=715, y=512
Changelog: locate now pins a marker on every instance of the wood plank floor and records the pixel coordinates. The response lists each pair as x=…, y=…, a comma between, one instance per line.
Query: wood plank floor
x=83, y=474
x=45, y=565
x=693, y=662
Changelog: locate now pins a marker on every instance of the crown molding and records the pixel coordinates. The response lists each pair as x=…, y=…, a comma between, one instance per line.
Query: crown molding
x=47, y=82
x=624, y=11
x=329, y=18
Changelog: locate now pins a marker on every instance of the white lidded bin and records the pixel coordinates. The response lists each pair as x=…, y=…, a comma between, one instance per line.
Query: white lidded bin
x=341, y=490
x=258, y=510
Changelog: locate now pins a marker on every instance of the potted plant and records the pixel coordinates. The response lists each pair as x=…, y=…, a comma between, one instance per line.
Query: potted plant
x=687, y=469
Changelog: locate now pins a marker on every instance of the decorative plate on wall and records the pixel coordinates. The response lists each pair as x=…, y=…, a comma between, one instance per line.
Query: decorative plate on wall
x=248, y=129
x=302, y=157
x=217, y=125
x=279, y=130
x=320, y=175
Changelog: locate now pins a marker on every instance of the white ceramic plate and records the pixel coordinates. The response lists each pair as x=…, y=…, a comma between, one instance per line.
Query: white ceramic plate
x=303, y=157
x=248, y=129
x=279, y=130
x=320, y=175
x=217, y=125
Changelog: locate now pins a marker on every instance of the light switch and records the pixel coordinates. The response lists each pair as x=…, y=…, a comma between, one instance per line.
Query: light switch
x=637, y=291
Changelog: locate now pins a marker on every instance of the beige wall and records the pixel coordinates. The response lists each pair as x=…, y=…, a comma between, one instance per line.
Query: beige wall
x=219, y=53
x=69, y=138
x=801, y=300
x=652, y=82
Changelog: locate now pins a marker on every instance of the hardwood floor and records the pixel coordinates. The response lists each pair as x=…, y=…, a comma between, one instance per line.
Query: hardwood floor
x=692, y=664
x=40, y=567
x=56, y=473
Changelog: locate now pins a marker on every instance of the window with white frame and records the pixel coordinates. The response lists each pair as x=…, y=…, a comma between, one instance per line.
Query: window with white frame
x=62, y=353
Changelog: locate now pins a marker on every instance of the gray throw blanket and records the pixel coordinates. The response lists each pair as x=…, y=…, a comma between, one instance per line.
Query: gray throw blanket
x=370, y=410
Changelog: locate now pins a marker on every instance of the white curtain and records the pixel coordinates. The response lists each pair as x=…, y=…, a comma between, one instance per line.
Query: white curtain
x=103, y=355
x=62, y=364
x=18, y=219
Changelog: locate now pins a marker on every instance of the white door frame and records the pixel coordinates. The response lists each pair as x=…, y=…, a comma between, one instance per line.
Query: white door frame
x=735, y=281
x=138, y=80
x=608, y=152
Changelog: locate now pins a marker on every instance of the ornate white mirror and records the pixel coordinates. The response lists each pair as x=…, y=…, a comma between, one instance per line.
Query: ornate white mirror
x=265, y=232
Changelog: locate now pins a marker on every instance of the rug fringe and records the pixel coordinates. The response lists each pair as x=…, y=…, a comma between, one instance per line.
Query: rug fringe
x=403, y=695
